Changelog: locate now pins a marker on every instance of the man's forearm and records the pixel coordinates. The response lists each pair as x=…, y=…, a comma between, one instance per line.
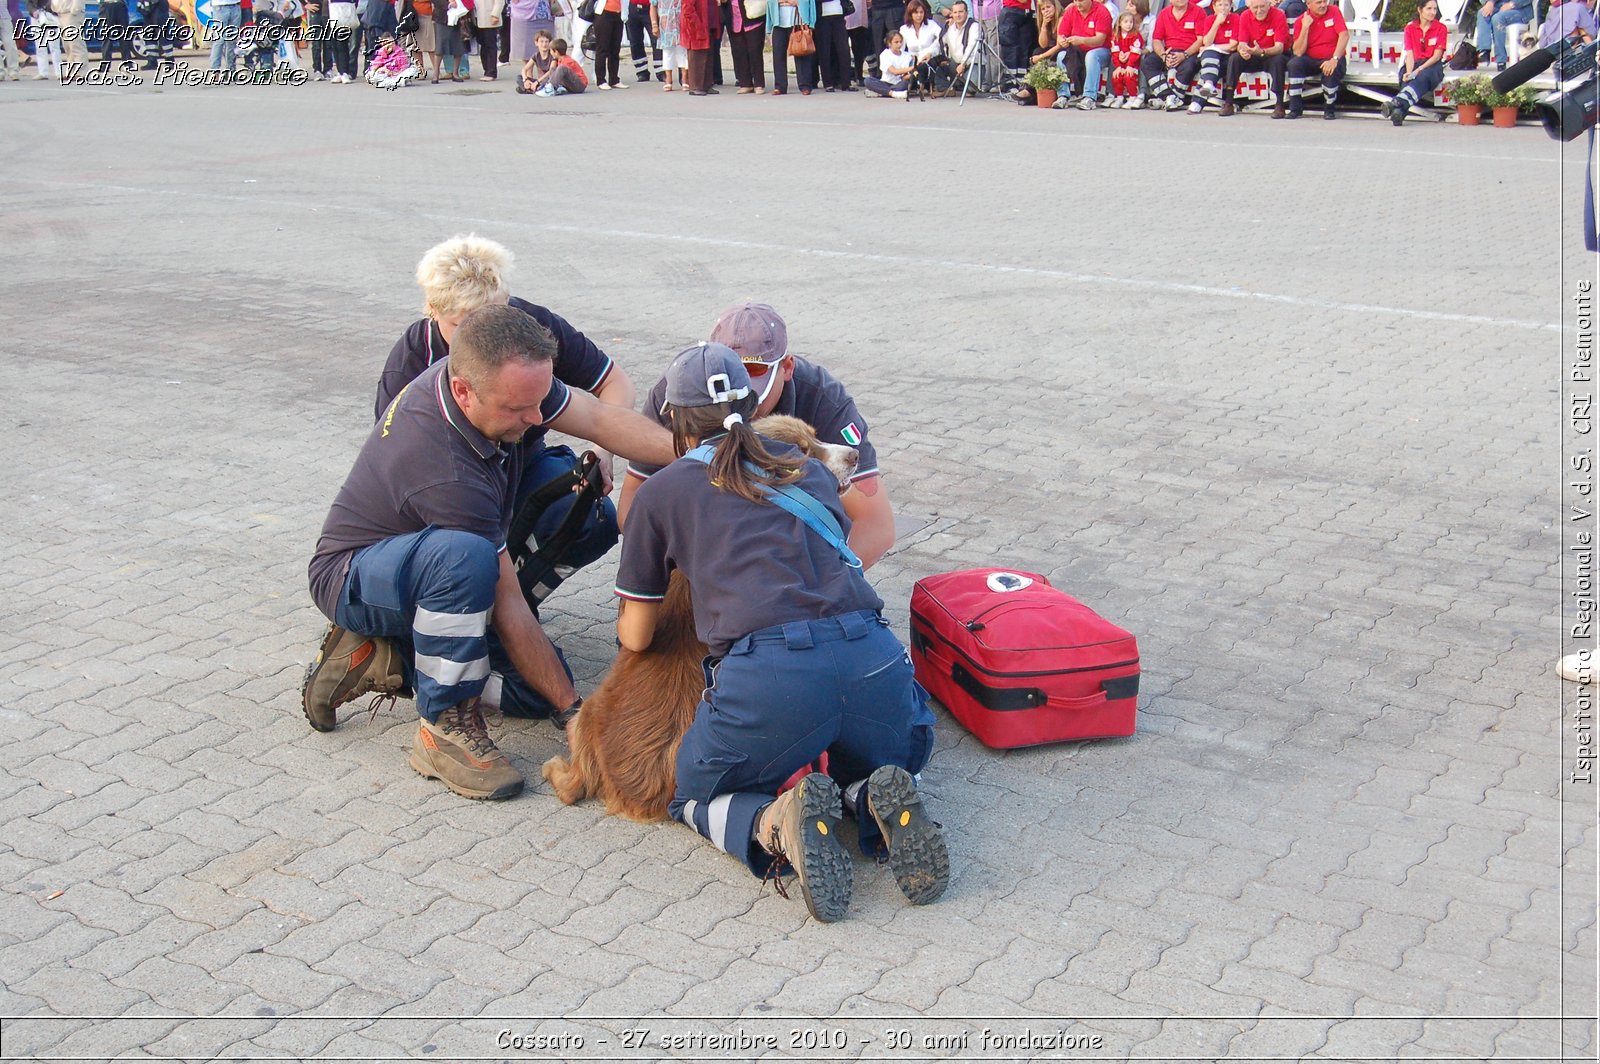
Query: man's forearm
x=531, y=652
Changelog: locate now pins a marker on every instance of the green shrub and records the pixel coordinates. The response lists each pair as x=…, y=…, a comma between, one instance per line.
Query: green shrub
x=1044, y=75
x=1474, y=88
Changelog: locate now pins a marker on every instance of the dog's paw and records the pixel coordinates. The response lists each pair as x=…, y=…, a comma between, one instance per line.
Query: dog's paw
x=564, y=779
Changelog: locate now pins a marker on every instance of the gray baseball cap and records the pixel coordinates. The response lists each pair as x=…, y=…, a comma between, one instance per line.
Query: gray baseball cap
x=705, y=375
x=760, y=336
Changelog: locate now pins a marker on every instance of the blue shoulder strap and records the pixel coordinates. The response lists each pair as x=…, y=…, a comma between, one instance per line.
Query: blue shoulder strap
x=811, y=513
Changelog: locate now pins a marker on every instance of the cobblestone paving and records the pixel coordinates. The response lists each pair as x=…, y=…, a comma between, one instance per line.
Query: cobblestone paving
x=1282, y=399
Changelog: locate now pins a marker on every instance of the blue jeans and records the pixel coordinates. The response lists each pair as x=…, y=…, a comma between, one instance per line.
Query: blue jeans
x=1084, y=67
x=780, y=698
x=224, y=31
x=1493, y=29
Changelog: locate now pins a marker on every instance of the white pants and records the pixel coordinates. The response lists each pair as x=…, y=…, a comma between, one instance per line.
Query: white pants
x=49, y=56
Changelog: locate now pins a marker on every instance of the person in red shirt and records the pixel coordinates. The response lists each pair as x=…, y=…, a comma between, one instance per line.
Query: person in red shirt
x=1320, y=36
x=1169, y=67
x=1262, y=32
x=1221, y=41
x=1422, y=65
x=1085, y=40
x=1127, y=45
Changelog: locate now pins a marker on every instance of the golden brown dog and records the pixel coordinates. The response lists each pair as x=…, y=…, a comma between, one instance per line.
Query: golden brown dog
x=624, y=742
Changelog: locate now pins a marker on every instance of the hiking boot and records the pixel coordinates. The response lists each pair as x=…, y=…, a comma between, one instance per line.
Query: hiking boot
x=800, y=828
x=458, y=752
x=917, y=852
x=347, y=667
x=1329, y=113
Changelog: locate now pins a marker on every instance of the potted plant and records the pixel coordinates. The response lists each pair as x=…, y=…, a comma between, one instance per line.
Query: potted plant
x=1044, y=78
x=1504, y=106
x=1526, y=99
x=1468, y=94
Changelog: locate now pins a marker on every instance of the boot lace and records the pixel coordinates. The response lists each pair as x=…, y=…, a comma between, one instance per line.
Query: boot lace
x=466, y=722
x=775, y=870
x=380, y=701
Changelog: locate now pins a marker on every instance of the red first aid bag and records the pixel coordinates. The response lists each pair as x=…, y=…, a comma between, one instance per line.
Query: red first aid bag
x=1019, y=662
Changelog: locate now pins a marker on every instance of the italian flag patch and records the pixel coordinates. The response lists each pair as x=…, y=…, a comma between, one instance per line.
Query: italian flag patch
x=851, y=434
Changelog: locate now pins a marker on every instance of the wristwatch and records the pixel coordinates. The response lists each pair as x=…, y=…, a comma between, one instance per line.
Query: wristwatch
x=568, y=715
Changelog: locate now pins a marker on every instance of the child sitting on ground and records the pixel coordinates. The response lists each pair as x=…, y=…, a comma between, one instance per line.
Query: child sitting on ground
x=536, y=71
x=390, y=66
x=896, y=64
x=574, y=80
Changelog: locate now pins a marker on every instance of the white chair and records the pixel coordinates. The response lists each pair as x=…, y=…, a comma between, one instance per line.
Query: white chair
x=1514, y=33
x=1366, y=16
x=1450, y=12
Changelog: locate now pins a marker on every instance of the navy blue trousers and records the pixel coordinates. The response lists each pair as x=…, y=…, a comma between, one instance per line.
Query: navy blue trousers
x=780, y=698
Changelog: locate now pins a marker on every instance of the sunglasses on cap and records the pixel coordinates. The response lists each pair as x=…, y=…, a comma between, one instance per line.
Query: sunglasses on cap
x=758, y=369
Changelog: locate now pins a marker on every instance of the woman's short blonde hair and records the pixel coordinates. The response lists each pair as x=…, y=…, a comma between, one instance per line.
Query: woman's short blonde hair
x=462, y=274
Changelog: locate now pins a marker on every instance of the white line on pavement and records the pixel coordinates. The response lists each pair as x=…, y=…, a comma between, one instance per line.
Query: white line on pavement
x=918, y=261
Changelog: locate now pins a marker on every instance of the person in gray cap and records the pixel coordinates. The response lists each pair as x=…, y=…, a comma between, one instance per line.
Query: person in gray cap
x=803, y=661
x=787, y=384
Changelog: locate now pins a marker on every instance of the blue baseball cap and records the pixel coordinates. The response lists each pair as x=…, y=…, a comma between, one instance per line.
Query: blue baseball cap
x=705, y=375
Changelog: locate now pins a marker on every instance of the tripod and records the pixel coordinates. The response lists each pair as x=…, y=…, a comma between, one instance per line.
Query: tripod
x=980, y=65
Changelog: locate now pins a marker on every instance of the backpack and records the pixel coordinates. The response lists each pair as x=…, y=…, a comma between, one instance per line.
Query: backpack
x=1466, y=57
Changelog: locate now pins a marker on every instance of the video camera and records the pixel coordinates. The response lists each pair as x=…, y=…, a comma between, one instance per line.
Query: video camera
x=1570, y=111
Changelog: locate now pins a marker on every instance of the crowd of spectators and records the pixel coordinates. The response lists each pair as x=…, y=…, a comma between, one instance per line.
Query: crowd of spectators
x=1184, y=56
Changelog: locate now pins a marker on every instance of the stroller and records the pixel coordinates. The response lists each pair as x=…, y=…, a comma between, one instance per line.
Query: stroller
x=259, y=42
x=391, y=65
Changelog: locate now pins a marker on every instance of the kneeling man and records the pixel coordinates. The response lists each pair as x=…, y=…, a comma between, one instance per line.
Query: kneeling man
x=412, y=562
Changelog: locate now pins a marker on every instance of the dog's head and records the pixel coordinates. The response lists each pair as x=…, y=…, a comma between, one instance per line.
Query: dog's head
x=840, y=460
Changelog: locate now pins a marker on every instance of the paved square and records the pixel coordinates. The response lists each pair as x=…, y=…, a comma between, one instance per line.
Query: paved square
x=1285, y=399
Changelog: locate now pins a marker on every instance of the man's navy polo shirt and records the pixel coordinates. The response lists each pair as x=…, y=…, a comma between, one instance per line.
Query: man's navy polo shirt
x=752, y=565
x=813, y=395
x=578, y=362
x=424, y=465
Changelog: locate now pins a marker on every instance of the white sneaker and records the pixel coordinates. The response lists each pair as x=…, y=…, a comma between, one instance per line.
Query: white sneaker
x=1175, y=103
x=602, y=87
x=1062, y=103
x=897, y=94
x=1196, y=107
x=1114, y=103
x=1208, y=91
x=620, y=85
x=1086, y=103
x=1134, y=104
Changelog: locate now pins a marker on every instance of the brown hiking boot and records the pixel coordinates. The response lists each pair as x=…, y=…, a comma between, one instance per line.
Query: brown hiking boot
x=1226, y=109
x=1279, y=112
x=458, y=752
x=917, y=853
x=801, y=828
x=347, y=667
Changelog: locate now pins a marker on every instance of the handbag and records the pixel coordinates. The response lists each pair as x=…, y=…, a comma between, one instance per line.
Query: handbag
x=454, y=13
x=1466, y=57
x=586, y=10
x=847, y=7
x=407, y=24
x=755, y=10
x=342, y=13
x=801, y=40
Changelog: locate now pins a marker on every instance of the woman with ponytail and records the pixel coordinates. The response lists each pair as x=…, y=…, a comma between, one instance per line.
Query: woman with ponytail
x=802, y=663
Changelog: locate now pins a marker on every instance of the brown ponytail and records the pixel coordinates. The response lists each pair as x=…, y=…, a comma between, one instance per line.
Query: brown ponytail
x=737, y=452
